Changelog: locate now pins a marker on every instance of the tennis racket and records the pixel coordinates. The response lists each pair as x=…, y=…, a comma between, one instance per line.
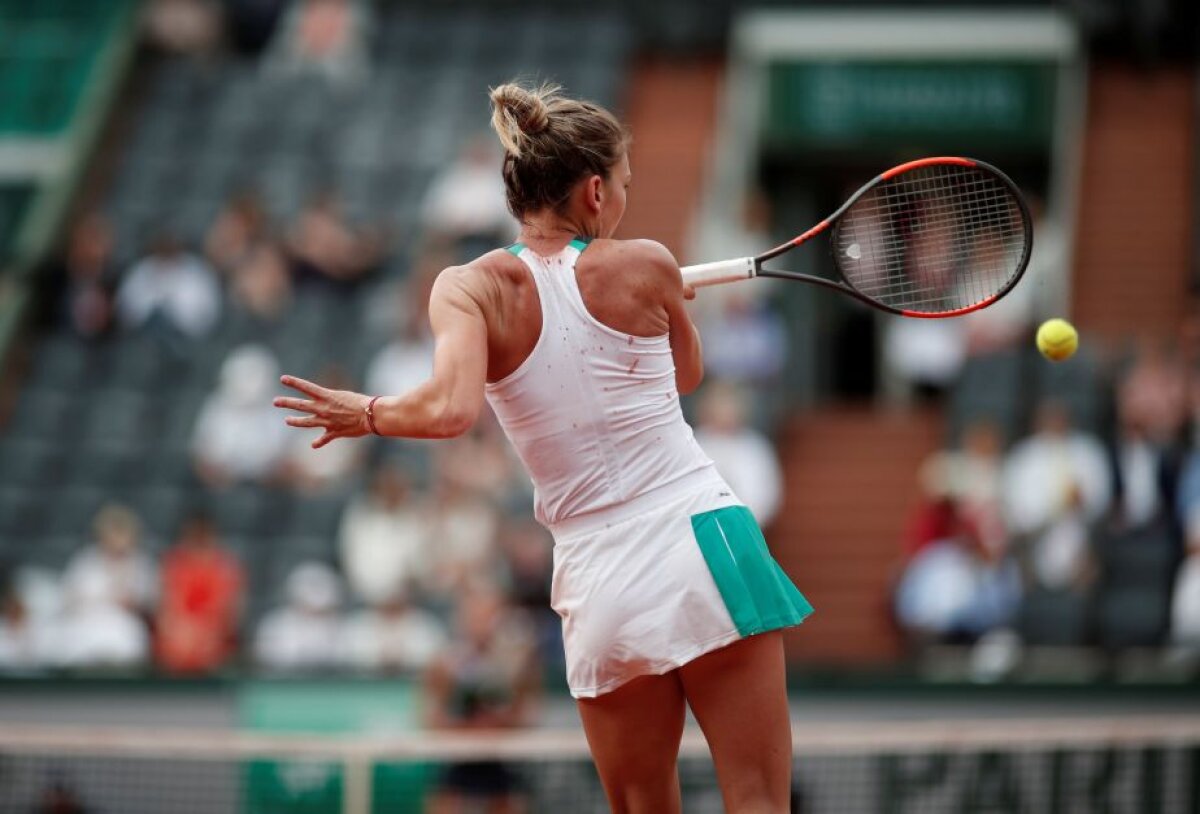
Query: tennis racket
x=937, y=237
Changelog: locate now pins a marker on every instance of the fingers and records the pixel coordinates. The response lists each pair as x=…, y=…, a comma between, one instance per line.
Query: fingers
x=329, y=435
x=305, y=422
x=304, y=386
x=689, y=292
x=295, y=404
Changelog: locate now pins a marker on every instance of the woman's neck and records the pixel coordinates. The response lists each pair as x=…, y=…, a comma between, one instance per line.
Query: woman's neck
x=544, y=230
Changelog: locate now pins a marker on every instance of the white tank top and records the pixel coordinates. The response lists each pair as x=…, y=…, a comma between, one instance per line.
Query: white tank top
x=592, y=412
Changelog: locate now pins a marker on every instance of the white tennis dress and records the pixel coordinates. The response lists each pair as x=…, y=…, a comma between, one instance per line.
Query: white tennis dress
x=656, y=561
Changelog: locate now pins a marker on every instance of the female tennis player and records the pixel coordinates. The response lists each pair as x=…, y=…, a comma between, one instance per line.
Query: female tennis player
x=581, y=345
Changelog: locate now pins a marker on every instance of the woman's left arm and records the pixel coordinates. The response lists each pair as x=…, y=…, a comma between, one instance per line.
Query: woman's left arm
x=445, y=406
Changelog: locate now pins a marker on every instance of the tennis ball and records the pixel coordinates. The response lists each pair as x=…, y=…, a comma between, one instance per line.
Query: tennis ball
x=1057, y=339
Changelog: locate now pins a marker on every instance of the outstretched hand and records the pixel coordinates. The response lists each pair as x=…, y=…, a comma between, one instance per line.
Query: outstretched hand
x=340, y=413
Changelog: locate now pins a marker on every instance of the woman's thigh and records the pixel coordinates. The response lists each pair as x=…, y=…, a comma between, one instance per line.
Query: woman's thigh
x=633, y=733
x=739, y=697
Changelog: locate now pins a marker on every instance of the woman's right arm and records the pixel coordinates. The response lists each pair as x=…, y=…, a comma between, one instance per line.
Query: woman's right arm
x=686, y=348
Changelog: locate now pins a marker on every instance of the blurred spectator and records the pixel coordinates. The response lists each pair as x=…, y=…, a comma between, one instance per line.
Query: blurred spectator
x=315, y=471
x=170, y=293
x=393, y=636
x=463, y=525
x=304, y=634
x=953, y=588
x=238, y=229
x=325, y=38
x=114, y=569
x=326, y=249
x=971, y=477
x=1185, y=604
x=1144, y=470
x=385, y=539
x=487, y=678
x=466, y=202
x=744, y=456
x=528, y=552
x=1057, y=483
x=745, y=341
x=1153, y=396
x=239, y=436
x=80, y=284
x=97, y=631
x=191, y=27
x=24, y=643
x=261, y=283
x=407, y=360
x=925, y=354
x=201, y=601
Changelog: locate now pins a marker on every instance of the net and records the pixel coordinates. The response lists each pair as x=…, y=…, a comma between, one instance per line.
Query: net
x=1066, y=765
x=933, y=240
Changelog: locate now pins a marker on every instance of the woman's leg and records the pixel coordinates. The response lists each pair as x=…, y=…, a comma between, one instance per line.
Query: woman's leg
x=634, y=734
x=739, y=697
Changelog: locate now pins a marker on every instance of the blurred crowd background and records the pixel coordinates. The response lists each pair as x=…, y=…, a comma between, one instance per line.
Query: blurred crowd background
x=272, y=185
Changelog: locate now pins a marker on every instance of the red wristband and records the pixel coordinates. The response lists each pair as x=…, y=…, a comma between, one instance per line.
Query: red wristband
x=371, y=414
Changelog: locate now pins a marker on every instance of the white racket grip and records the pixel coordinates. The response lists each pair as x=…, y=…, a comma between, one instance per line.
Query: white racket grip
x=723, y=271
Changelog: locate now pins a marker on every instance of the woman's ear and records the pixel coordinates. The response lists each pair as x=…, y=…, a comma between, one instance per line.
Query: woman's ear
x=595, y=193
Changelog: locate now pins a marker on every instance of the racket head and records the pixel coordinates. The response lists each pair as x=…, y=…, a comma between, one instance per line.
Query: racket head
x=938, y=237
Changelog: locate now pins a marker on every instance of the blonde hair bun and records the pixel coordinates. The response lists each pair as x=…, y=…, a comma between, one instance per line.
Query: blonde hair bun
x=519, y=113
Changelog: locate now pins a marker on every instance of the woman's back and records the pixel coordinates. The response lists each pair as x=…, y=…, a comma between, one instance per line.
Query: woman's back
x=584, y=379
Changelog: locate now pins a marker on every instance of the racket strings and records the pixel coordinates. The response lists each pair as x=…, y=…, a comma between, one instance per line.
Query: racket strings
x=934, y=239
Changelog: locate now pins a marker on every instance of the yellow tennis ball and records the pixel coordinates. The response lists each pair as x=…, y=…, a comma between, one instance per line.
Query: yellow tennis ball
x=1057, y=339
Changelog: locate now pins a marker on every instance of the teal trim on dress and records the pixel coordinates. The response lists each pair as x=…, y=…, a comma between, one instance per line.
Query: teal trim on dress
x=579, y=243
x=757, y=593
x=515, y=249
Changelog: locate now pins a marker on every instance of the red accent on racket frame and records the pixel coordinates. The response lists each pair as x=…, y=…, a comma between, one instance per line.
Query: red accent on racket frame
x=957, y=312
x=926, y=162
x=816, y=230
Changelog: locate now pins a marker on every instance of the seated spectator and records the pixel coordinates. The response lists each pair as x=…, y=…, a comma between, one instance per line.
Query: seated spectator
x=745, y=341
x=114, y=569
x=925, y=355
x=463, y=525
x=261, y=284
x=24, y=640
x=170, y=293
x=528, y=552
x=393, y=636
x=1185, y=603
x=96, y=631
x=325, y=38
x=1152, y=395
x=466, y=202
x=743, y=456
x=326, y=249
x=202, y=583
x=1144, y=474
x=407, y=360
x=971, y=476
x=239, y=435
x=304, y=634
x=238, y=229
x=80, y=285
x=486, y=678
x=953, y=589
x=332, y=467
x=385, y=539
x=1057, y=483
